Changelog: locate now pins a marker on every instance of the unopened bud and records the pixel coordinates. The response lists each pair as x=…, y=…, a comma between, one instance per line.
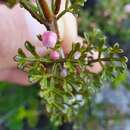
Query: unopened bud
x=54, y=55
x=49, y=39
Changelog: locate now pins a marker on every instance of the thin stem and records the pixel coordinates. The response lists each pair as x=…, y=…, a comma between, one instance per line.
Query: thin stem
x=33, y=10
x=102, y=59
x=52, y=5
x=57, y=6
x=33, y=59
x=66, y=4
x=61, y=14
x=39, y=8
x=42, y=60
x=56, y=28
x=45, y=8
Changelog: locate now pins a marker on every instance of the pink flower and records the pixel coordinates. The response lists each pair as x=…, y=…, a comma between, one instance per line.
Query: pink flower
x=54, y=55
x=127, y=8
x=49, y=39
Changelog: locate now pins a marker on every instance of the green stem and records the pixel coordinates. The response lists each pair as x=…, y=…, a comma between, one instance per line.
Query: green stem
x=39, y=8
x=67, y=9
x=66, y=4
x=33, y=10
x=53, y=5
x=102, y=59
x=61, y=14
x=33, y=59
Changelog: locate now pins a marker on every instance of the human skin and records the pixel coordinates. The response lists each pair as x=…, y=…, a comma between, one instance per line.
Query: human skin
x=17, y=26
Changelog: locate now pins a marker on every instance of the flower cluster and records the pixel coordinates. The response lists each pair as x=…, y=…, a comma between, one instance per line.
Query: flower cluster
x=49, y=40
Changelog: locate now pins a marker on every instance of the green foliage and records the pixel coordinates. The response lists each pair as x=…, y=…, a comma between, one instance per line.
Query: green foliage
x=119, y=79
x=78, y=2
x=14, y=101
x=74, y=8
x=60, y=94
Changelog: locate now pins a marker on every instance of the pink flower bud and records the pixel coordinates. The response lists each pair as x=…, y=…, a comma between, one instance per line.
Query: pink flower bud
x=64, y=72
x=127, y=8
x=49, y=39
x=54, y=55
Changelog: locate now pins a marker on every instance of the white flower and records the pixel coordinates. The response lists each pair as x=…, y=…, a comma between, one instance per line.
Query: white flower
x=77, y=55
x=64, y=72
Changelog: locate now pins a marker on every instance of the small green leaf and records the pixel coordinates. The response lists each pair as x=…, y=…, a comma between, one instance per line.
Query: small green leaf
x=124, y=59
x=11, y=3
x=21, y=53
x=31, y=48
x=43, y=83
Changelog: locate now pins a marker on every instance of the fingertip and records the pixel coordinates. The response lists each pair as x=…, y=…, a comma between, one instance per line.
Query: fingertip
x=96, y=67
x=34, y=27
x=70, y=31
x=13, y=75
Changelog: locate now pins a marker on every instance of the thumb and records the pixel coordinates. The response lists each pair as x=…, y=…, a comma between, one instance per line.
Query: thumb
x=67, y=26
x=70, y=31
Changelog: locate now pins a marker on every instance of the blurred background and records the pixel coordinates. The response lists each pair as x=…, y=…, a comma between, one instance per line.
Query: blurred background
x=109, y=109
